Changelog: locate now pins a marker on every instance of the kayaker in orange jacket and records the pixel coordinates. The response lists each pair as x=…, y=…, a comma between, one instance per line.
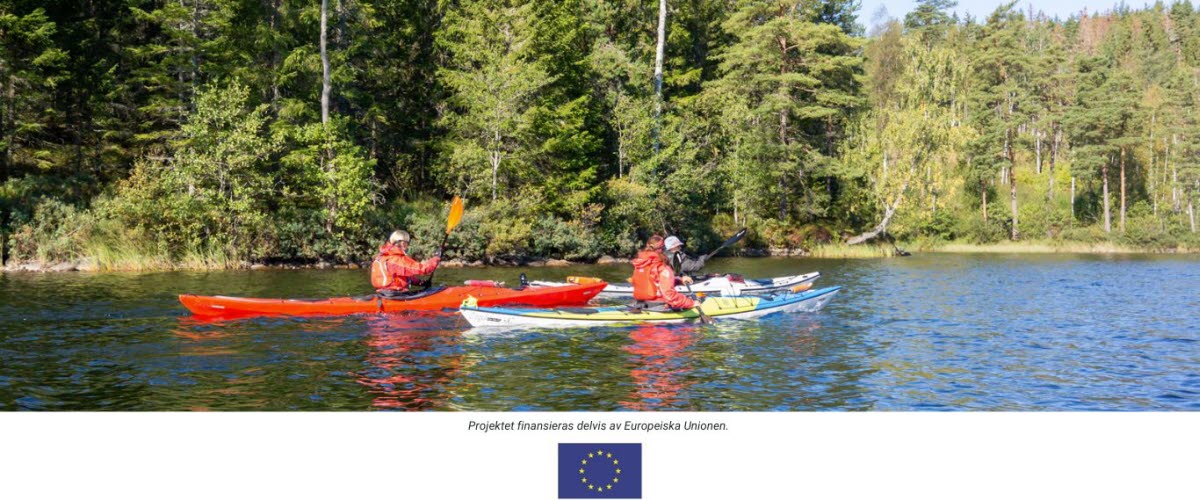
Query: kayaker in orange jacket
x=393, y=270
x=653, y=278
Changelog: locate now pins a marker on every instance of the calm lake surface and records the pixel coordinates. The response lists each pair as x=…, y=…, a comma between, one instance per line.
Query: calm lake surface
x=929, y=332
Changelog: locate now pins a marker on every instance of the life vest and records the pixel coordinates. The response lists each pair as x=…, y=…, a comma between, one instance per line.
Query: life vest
x=380, y=277
x=392, y=269
x=645, y=275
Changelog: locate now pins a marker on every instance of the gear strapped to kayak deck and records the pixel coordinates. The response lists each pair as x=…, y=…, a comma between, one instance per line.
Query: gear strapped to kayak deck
x=727, y=285
x=715, y=307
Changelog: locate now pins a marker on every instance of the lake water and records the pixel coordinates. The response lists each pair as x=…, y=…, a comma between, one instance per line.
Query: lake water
x=928, y=332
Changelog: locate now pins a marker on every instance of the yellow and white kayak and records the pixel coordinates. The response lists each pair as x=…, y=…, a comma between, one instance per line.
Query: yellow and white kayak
x=715, y=307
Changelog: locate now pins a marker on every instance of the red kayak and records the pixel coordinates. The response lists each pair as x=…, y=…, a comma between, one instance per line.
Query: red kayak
x=435, y=299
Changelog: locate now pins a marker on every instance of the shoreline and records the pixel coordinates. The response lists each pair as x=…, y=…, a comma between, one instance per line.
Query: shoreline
x=87, y=265
x=826, y=251
x=1104, y=248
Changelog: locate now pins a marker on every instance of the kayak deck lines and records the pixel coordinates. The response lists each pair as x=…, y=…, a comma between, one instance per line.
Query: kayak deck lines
x=726, y=285
x=716, y=307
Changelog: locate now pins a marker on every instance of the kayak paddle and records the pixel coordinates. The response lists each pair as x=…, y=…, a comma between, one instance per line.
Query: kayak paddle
x=456, y=212
x=734, y=239
x=704, y=318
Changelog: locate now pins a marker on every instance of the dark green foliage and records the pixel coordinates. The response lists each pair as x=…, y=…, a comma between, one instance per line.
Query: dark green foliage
x=191, y=129
x=787, y=88
x=979, y=231
x=929, y=14
x=216, y=192
x=560, y=239
x=1002, y=100
x=54, y=233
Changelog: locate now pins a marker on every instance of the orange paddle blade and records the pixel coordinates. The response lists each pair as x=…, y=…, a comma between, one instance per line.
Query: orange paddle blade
x=456, y=212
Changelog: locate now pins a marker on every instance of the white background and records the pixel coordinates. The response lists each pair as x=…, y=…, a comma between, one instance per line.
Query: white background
x=762, y=455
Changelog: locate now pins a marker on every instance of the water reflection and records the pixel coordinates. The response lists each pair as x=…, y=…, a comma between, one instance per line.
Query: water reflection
x=408, y=364
x=660, y=364
x=929, y=332
x=803, y=339
x=204, y=336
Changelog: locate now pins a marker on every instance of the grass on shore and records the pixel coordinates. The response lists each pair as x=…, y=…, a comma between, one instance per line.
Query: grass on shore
x=116, y=256
x=1029, y=247
x=844, y=251
x=877, y=250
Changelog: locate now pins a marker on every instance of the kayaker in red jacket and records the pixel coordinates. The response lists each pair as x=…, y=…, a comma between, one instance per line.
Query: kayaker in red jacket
x=393, y=270
x=653, y=278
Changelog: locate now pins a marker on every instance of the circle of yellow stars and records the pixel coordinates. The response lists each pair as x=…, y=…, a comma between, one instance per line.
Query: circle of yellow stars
x=592, y=485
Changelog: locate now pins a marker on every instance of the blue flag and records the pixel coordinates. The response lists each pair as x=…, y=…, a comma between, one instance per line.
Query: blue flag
x=593, y=470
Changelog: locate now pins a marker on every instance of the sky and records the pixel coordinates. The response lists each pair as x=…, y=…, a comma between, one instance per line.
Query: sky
x=981, y=8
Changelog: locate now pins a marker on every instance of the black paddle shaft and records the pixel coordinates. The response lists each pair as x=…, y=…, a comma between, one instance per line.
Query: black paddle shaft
x=442, y=248
x=703, y=317
x=734, y=239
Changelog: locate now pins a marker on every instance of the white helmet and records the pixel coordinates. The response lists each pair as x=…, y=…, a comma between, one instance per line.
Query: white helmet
x=672, y=242
x=398, y=235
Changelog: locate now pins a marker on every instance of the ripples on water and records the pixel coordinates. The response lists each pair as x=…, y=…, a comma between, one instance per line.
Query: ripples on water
x=931, y=332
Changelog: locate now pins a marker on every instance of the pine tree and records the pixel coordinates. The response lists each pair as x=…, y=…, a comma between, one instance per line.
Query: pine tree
x=1053, y=84
x=1100, y=121
x=568, y=119
x=1122, y=89
x=31, y=66
x=788, y=82
x=391, y=89
x=929, y=20
x=1001, y=98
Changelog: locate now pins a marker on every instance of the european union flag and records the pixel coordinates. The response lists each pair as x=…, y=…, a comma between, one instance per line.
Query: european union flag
x=593, y=470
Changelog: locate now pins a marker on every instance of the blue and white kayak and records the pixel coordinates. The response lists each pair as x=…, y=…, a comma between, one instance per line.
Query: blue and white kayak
x=725, y=285
x=715, y=307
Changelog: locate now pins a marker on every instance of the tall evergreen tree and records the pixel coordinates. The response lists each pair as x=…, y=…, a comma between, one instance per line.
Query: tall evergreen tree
x=568, y=120
x=1001, y=98
x=392, y=91
x=31, y=66
x=1100, y=122
x=929, y=19
x=788, y=79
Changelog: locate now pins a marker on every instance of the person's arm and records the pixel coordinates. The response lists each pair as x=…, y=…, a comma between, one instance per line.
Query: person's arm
x=691, y=265
x=413, y=268
x=430, y=264
x=674, y=299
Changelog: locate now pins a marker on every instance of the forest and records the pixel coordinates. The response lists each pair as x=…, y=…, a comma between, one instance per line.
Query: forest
x=140, y=134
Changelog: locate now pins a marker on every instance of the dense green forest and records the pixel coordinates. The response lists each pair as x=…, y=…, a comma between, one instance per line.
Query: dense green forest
x=152, y=133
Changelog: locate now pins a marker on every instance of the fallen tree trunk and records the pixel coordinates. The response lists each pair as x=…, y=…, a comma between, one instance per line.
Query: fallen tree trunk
x=882, y=226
